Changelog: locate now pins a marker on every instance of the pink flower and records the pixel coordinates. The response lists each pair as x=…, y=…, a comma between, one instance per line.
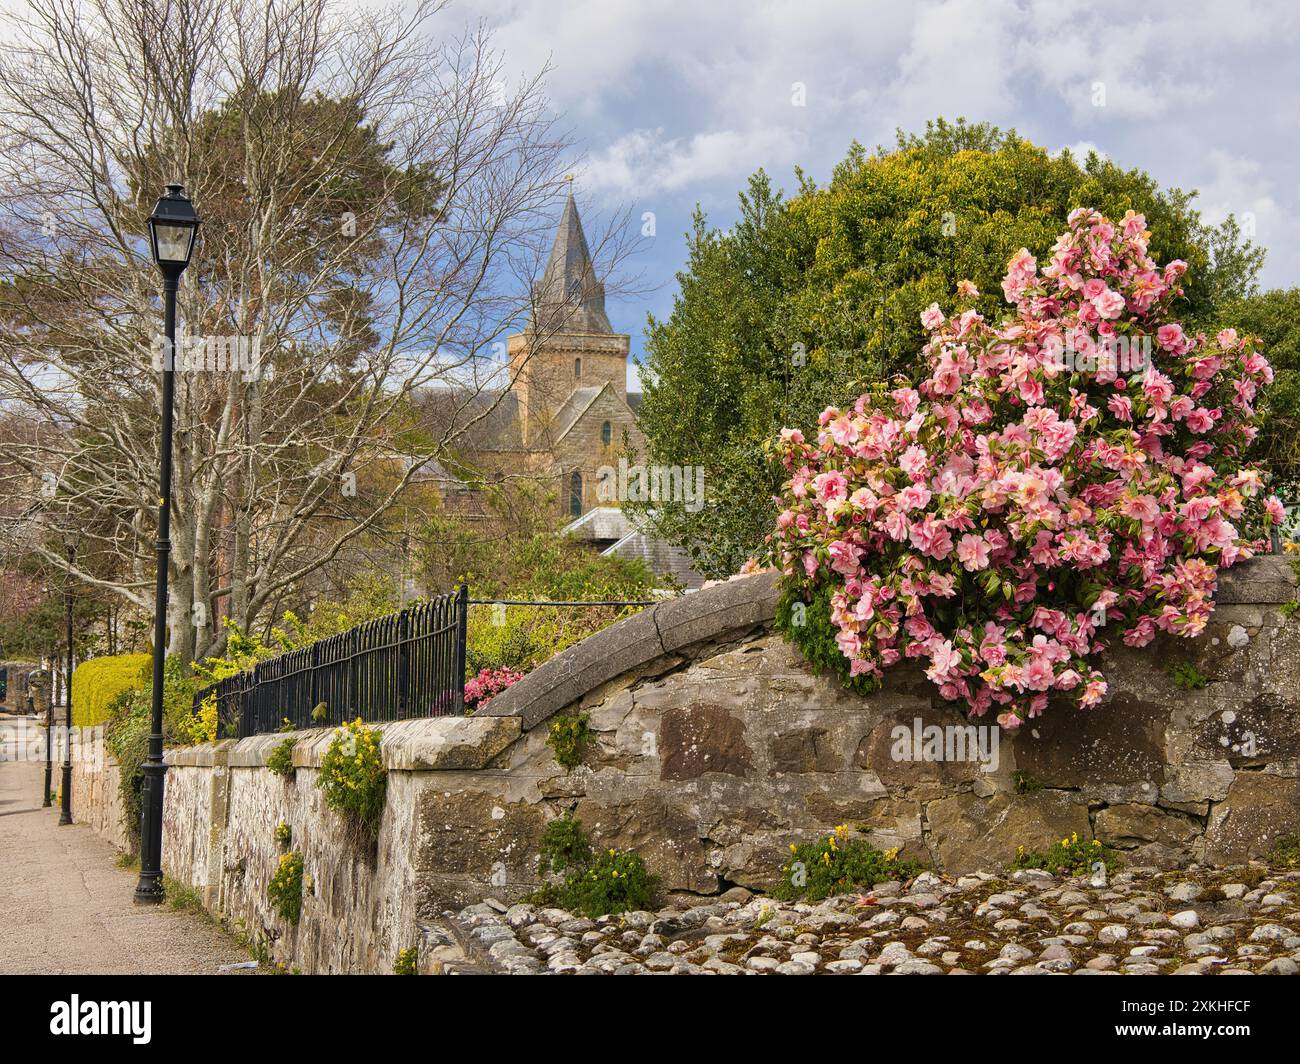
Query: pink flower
x=932, y=317
x=913, y=461
x=831, y=486
x=973, y=553
x=1171, y=338
x=1046, y=507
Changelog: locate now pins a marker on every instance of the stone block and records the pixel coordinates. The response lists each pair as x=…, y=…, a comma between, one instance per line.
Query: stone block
x=1258, y=809
x=969, y=834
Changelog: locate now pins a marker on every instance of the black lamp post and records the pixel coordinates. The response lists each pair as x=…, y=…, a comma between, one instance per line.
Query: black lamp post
x=70, y=538
x=49, y=735
x=172, y=228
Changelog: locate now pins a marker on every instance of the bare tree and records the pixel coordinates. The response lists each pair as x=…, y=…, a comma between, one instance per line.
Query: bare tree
x=376, y=204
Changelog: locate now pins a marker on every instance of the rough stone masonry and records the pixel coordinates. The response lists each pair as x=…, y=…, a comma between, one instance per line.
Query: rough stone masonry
x=714, y=747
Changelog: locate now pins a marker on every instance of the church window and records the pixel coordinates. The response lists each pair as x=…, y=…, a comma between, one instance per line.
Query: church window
x=577, y=369
x=606, y=433
x=575, y=494
x=575, y=292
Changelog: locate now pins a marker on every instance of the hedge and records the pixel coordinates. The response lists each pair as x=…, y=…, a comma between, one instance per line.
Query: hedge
x=96, y=682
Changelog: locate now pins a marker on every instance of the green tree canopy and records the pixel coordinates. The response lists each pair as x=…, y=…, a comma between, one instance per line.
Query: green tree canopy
x=1275, y=318
x=805, y=300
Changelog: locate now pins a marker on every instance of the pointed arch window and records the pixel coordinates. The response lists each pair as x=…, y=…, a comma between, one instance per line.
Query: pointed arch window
x=577, y=369
x=606, y=433
x=575, y=494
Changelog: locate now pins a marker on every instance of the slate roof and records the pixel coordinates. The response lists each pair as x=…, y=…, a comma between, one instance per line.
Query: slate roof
x=605, y=523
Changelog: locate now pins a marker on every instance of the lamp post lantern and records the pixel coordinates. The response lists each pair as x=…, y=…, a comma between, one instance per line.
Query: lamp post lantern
x=172, y=229
x=70, y=538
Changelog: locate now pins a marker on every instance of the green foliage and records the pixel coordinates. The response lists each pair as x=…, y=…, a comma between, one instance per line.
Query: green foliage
x=407, y=962
x=1069, y=857
x=280, y=759
x=1286, y=851
x=564, y=845
x=806, y=301
x=615, y=882
x=808, y=626
x=522, y=637
x=1187, y=676
x=126, y=735
x=97, y=684
x=1275, y=318
x=568, y=737
x=1024, y=783
x=284, y=892
x=283, y=833
x=371, y=595
x=593, y=884
x=838, y=864
x=352, y=778
x=182, y=897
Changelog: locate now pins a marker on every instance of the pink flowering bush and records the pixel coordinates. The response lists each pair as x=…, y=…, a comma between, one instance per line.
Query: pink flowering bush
x=488, y=683
x=1018, y=509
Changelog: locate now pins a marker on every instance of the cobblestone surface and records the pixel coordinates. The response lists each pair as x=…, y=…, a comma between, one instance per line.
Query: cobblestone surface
x=1242, y=920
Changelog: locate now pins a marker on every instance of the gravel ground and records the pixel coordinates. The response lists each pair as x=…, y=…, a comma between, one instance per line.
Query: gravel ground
x=65, y=905
x=1243, y=920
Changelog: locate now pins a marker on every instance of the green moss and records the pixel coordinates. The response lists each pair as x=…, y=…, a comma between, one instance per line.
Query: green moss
x=1187, y=676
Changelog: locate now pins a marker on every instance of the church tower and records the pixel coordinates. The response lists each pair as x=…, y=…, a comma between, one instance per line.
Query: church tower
x=569, y=343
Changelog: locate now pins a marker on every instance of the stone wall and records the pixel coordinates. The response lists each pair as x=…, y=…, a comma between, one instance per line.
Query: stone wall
x=95, y=796
x=713, y=748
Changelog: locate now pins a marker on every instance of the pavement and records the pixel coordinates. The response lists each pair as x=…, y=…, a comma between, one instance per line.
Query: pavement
x=66, y=907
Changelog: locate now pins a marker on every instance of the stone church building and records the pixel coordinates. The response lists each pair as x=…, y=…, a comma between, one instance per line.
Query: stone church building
x=567, y=417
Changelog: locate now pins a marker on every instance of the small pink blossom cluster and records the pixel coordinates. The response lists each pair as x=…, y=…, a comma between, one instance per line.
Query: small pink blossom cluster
x=1003, y=519
x=488, y=683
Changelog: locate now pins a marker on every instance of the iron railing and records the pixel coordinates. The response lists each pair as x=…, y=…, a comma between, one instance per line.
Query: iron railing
x=409, y=664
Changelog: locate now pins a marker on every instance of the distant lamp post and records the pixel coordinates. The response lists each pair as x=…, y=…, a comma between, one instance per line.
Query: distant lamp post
x=172, y=229
x=70, y=540
x=49, y=731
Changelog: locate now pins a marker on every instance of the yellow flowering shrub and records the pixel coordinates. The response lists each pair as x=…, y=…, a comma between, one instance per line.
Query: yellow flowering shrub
x=1072, y=856
x=284, y=892
x=838, y=864
x=352, y=778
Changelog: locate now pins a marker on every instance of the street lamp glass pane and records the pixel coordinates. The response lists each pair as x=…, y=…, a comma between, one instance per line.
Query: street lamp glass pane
x=173, y=242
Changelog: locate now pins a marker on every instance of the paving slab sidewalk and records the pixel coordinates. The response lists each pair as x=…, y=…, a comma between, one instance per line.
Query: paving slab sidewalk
x=65, y=905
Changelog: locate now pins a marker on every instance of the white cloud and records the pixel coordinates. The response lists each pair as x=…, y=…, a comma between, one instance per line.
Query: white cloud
x=644, y=162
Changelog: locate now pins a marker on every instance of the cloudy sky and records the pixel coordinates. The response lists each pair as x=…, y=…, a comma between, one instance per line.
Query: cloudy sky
x=676, y=102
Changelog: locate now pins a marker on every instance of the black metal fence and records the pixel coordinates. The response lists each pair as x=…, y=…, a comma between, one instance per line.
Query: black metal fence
x=409, y=664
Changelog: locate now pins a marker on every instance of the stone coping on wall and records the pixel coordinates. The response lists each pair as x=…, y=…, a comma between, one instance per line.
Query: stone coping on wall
x=422, y=744
x=713, y=613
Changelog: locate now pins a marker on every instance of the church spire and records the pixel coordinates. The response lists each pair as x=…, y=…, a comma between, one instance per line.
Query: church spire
x=569, y=298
